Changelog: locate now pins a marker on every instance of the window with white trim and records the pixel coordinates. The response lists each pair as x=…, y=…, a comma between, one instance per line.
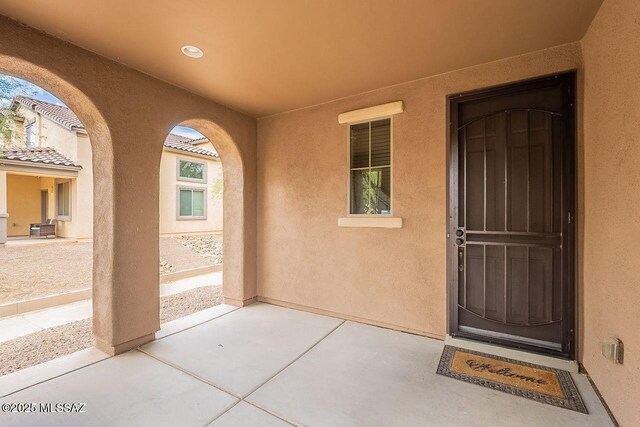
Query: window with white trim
x=31, y=136
x=370, y=168
x=192, y=203
x=63, y=200
x=189, y=170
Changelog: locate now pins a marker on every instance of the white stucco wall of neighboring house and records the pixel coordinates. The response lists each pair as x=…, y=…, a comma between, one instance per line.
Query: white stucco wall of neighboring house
x=169, y=184
x=63, y=140
x=49, y=133
x=81, y=224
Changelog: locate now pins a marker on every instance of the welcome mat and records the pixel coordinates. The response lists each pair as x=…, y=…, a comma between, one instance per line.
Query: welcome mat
x=547, y=385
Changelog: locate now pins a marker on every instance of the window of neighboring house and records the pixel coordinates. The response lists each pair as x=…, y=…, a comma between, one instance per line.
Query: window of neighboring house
x=192, y=203
x=370, y=168
x=63, y=197
x=189, y=170
x=31, y=137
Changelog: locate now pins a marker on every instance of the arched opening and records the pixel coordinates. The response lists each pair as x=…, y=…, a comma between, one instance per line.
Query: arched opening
x=238, y=215
x=125, y=233
x=56, y=155
x=191, y=224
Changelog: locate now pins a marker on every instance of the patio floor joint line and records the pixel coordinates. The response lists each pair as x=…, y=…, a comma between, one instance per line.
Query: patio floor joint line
x=57, y=376
x=191, y=374
x=257, y=407
x=294, y=360
x=243, y=399
x=274, y=414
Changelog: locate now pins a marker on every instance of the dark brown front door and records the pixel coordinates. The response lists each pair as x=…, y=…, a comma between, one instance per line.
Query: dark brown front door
x=511, y=215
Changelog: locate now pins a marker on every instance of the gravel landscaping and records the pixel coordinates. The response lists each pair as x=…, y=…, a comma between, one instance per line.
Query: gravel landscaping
x=37, y=270
x=175, y=306
x=52, y=343
x=207, y=246
x=44, y=269
x=165, y=267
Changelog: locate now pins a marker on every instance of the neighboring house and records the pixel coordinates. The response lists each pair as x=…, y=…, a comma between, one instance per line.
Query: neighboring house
x=46, y=173
x=46, y=158
x=190, y=186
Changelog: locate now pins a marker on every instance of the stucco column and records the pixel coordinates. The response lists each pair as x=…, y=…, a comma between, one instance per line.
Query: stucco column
x=126, y=293
x=3, y=208
x=239, y=243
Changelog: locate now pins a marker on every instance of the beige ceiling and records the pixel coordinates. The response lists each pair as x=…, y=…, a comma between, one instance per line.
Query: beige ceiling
x=267, y=56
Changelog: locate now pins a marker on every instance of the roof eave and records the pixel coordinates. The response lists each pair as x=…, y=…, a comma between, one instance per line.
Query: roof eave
x=189, y=153
x=39, y=164
x=47, y=115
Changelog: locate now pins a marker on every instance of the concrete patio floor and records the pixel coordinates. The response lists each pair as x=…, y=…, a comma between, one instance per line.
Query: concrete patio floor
x=264, y=365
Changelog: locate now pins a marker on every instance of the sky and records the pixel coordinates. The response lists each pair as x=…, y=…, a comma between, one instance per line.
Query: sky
x=11, y=86
x=186, y=131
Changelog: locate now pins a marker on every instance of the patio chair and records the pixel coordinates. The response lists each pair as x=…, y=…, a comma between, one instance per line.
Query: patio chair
x=43, y=230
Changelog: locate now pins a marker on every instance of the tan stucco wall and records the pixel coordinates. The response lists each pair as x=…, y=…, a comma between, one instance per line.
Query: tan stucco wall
x=391, y=276
x=23, y=203
x=396, y=277
x=128, y=115
x=169, y=224
x=612, y=202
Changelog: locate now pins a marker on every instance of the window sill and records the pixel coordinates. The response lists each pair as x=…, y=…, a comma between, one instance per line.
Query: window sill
x=370, y=222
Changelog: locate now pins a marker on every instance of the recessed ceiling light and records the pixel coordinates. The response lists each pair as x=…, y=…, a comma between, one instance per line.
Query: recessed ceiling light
x=192, y=51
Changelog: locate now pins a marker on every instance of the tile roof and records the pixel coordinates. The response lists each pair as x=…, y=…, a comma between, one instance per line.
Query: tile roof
x=200, y=140
x=37, y=156
x=65, y=117
x=58, y=113
x=175, y=138
x=182, y=143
